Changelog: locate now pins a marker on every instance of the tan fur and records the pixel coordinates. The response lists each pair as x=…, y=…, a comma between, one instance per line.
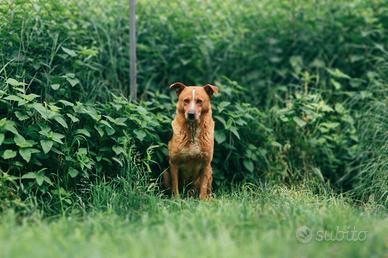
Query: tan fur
x=192, y=143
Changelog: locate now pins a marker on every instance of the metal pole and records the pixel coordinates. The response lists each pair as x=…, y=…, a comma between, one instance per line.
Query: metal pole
x=132, y=49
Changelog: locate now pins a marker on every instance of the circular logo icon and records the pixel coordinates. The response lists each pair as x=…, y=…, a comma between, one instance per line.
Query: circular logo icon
x=303, y=234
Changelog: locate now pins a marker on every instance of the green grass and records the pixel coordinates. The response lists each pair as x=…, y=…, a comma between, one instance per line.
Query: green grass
x=250, y=222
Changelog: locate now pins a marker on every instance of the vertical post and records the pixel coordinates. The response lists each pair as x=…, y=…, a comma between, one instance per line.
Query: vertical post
x=132, y=50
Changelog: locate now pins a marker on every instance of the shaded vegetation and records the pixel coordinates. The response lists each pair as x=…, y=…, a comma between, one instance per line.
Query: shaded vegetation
x=299, y=81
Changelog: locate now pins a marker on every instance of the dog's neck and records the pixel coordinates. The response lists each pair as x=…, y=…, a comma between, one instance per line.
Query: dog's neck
x=192, y=130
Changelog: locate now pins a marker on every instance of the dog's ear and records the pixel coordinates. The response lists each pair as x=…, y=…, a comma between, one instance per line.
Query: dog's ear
x=178, y=86
x=211, y=89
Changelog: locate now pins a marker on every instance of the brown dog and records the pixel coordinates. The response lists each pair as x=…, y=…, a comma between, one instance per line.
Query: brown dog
x=191, y=146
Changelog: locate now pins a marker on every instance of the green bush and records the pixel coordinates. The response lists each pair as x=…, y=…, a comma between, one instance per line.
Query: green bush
x=58, y=146
x=317, y=138
x=304, y=138
x=51, y=147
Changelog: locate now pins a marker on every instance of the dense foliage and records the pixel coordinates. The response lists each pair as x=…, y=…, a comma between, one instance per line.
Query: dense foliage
x=299, y=80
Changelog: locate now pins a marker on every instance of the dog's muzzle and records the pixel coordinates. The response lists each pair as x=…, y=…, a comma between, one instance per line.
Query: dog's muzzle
x=191, y=115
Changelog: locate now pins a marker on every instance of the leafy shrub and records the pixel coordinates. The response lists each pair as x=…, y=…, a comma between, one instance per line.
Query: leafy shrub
x=306, y=137
x=56, y=146
x=316, y=137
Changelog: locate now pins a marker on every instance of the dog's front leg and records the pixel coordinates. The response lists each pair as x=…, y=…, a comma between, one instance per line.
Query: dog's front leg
x=206, y=181
x=174, y=180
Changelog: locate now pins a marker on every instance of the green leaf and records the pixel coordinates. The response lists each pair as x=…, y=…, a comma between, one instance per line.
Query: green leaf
x=221, y=120
x=73, y=118
x=82, y=109
x=14, y=82
x=99, y=130
x=29, y=175
x=118, y=149
x=117, y=121
x=120, y=121
x=71, y=79
x=219, y=137
x=336, y=84
x=26, y=153
x=337, y=73
x=55, y=86
x=22, y=142
x=118, y=161
x=57, y=137
x=248, y=164
x=296, y=63
x=82, y=151
x=140, y=134
x=61, y=121
x=2, y=137
x=45, y=131
x=83, y=132
x=330, y=125
x=39, y=179
x=70, y=52
x=66, y=103
x=324, y=107
x=28, y=97
x=9, y=154
x=10, y=126
x=106, y=123
x=222, y=106
x=235, y=132
x=73, y=172
x=339, y=108
x=46, y=145
x=38, y=176
x=110, y=131
x=47, y=180
x=16, y=98
x=42, y=110
x=299, y=121
x=21, y=116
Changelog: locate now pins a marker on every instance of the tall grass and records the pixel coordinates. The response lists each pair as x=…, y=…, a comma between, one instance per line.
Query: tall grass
x=372, y=178
x=250, y=222
x=371, y=181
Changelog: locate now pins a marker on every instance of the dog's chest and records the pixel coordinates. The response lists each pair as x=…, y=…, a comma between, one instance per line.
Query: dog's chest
x=192, y=150
x=186, y=147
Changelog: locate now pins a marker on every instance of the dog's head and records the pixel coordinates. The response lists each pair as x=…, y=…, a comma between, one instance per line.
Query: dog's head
x=193, y=101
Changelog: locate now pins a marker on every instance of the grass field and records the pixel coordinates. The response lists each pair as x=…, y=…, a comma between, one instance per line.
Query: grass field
x=250, y=222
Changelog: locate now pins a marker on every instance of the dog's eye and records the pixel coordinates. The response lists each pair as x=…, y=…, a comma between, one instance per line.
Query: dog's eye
x=199, y=101
x=186, y=101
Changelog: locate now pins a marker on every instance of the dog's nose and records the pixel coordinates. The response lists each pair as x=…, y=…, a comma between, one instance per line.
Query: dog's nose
x=191, y=115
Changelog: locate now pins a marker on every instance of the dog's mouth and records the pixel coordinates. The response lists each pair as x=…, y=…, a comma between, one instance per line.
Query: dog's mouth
x=191, y=117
